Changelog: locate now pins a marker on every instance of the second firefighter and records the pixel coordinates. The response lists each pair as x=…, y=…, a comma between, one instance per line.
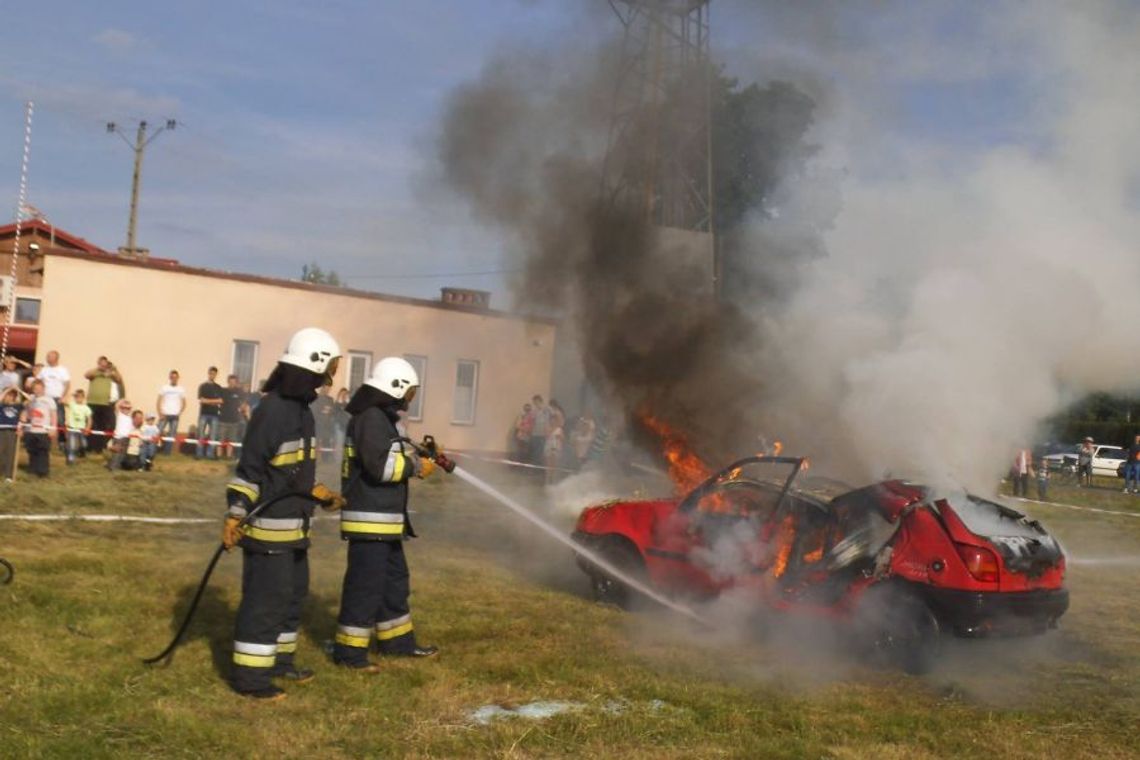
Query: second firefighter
x=376, y=469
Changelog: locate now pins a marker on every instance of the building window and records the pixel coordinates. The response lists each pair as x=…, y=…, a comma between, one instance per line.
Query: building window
x=416, y=408
x=245, y=362
x=466, y=391
x=359, y=363
x=27, y=311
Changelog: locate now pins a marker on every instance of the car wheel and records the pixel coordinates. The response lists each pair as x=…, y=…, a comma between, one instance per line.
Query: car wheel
x=897, y=629
x=620, y=553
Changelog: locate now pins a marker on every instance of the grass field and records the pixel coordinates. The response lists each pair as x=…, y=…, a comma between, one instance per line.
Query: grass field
x=511, y=615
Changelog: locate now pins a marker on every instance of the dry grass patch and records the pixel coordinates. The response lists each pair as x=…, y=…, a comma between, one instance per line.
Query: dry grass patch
x=510, y=614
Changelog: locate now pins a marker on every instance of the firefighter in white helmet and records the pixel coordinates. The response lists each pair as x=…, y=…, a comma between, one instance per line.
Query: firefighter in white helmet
x=377, y=465
x=278, y=456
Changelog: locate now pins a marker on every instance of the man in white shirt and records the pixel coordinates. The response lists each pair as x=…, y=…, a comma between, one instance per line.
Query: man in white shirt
x=170, y=403
x=57, y=384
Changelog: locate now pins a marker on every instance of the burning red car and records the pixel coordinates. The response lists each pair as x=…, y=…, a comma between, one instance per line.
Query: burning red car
x=898, y=564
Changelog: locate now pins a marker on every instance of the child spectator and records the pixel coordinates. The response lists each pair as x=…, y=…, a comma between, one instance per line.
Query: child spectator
x=77, y=419
x=30, y=378
x=132, y=455
x=123, y=428
x=149, y=441
x=40, y=431
x=10, y=377
x=11, y=408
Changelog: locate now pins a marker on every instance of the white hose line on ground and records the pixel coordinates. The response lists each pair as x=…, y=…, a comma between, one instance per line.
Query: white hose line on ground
x=111, y=518
x=1098, y=510
x=139, y=518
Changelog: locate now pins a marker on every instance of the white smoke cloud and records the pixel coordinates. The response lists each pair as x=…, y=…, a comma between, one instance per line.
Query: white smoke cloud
x=968, y=292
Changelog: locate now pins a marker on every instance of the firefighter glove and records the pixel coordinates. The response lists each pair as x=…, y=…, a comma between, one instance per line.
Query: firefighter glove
x=231, y=532
x=329, y=499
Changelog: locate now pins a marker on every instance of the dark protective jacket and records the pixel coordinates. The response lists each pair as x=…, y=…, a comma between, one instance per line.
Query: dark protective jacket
x=278, y=455
x=375, y=471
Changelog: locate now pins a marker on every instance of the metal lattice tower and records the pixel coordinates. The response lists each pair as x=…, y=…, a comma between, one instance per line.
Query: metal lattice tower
x=660, y=143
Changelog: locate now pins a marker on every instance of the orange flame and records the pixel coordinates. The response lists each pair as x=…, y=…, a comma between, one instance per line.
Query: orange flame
x=785, y=537
x=686, y=469
x=777, y=447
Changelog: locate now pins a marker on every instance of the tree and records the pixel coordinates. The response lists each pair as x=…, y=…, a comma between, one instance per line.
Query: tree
x=313, y=273
x=760, y=154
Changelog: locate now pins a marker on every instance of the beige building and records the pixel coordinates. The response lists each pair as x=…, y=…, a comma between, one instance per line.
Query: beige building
x=149, y=316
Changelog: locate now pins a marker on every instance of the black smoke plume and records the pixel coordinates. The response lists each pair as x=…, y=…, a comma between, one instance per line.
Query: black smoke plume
x=526, y=145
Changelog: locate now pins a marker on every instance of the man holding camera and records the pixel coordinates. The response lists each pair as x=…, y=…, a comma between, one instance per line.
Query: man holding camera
x=105, y=387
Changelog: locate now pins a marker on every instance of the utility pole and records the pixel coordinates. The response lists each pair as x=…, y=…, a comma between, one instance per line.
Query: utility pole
x=139, y=148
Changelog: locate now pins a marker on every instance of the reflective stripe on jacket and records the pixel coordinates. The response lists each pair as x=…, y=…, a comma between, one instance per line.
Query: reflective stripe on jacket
x=375, y=474
x=278, y=455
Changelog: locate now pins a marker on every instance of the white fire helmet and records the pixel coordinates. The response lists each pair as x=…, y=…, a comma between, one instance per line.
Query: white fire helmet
x=313, y=349
x=394, y=376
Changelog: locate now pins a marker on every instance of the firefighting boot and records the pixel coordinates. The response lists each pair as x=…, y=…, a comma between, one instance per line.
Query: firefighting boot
x=285, y=668
x=268, y=694
x=292, y=673
x=369, y=669
x=416, y=651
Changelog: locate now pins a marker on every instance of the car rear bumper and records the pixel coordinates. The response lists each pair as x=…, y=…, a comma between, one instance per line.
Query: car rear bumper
x=995, y=613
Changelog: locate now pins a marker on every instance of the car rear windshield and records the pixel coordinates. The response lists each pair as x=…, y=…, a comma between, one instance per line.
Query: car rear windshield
x=986, y=518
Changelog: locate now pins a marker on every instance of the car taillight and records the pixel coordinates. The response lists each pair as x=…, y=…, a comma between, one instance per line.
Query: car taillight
x=982, y=563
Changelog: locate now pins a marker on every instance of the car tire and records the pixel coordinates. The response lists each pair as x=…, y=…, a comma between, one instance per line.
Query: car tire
x=897, y=629
x=623, y=555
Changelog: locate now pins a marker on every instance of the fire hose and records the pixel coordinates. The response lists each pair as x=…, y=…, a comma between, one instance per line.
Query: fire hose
x=427, y=448
x=9, y=571
x=165, y=653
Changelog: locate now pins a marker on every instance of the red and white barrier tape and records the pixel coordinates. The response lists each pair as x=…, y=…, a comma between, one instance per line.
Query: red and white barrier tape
x=180, y=439
x=1097, y=510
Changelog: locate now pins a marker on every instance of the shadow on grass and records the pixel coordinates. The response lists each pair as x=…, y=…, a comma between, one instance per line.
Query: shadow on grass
x=213, y=621
x=318, y=620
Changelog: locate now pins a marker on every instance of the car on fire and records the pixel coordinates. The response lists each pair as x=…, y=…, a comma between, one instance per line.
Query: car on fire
x=898, y=564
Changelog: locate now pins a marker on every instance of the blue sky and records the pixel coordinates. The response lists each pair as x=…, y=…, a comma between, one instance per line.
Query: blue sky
x=305, y=129
x=303, y=132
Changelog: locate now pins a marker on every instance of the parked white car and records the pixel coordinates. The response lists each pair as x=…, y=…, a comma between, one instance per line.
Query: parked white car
x=1106, y=459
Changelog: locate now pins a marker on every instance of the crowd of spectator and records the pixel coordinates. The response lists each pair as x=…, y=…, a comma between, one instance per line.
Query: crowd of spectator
x=539, y=437
x=39, y=408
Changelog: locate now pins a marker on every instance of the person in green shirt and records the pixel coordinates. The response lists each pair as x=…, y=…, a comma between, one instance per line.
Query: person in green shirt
x=77, y=418
x=99, y=398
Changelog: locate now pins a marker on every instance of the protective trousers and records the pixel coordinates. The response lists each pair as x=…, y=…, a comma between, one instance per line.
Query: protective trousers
x=375, y=596
x=273, y=588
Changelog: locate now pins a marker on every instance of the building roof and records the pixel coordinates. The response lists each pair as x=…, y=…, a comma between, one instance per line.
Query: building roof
x=50, y=230
x=171, y=265
x=77, y=247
